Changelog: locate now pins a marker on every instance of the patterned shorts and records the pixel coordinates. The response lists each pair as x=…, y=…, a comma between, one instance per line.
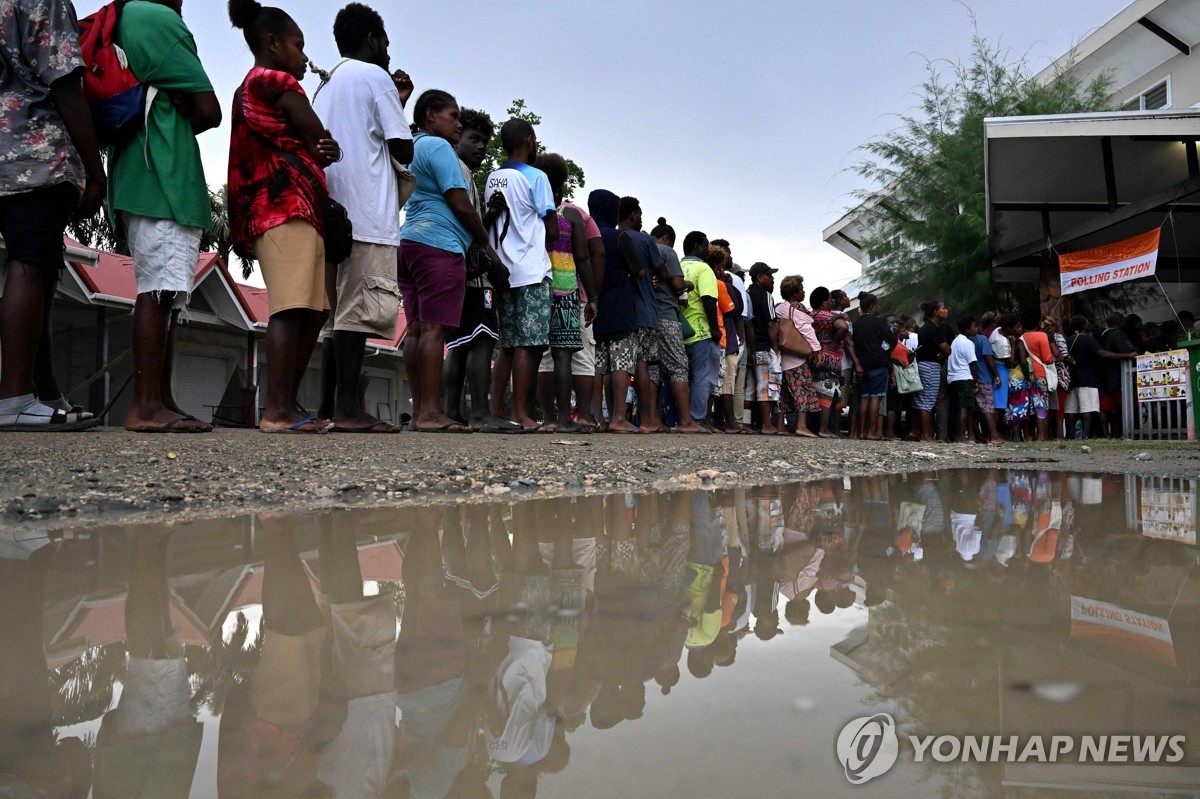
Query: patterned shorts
x=799, y=393
x=672, y=358
x=986, y=398
x=623, y=354
x=525, y=316
x=759, y=386
x=565, y=332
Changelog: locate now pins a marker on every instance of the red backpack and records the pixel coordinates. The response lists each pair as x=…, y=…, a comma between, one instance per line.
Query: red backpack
x=116, y=97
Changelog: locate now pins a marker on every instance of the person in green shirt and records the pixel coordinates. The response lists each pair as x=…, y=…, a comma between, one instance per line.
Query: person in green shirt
x=159, y=198
x=703, y=350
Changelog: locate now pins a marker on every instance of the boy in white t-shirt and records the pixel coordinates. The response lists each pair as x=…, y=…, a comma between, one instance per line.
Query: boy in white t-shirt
x=962, y=375
x=520, y=237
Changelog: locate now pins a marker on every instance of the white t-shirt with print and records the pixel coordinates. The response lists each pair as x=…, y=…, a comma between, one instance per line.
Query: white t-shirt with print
x=1000, y=346
x=962, y=355
x=361, y=108
x=522, y=248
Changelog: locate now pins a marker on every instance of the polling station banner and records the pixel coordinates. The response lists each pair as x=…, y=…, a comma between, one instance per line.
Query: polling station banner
x=1115, y=263
x=1120, y=628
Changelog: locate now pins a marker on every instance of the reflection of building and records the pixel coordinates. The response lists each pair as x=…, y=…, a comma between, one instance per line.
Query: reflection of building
x=991, y=650
x=218, y=583
x=220, y=344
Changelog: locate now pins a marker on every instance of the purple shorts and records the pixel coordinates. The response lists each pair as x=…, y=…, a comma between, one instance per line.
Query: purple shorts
x=433, y=283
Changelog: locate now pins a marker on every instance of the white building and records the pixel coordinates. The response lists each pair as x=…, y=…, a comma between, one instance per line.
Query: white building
x=219, y=344
x=1080, y=181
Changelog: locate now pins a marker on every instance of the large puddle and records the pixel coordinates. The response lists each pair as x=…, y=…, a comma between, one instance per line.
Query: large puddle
x=741, y=643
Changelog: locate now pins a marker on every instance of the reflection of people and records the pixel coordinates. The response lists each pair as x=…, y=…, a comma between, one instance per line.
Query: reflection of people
x=430, y=666
x=707, y=566
x=269, y=743
x=32, y=763
x=519, y=728
x=150, y=742
x=363, y=638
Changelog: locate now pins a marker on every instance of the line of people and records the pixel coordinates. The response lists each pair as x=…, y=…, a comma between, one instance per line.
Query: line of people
x=525, y=311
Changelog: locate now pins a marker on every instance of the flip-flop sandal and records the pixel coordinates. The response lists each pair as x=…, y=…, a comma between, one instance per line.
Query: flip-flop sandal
x=637, y=431
x=379, y=427
x=504, y=427
x=172, y=427
x=446, y=428
x=310, y=420
x=58, y=422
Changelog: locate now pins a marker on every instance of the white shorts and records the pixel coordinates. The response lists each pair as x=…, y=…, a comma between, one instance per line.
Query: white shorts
x=165, y=254
x=155, y=697
x=1083, y=400
x=583, y=361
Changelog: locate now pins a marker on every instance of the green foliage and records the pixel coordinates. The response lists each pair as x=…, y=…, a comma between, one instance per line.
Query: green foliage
x=926, y=205
x=96, y=233
x=495, y=153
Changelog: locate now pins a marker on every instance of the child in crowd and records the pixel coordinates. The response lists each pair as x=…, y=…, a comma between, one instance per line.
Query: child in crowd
x=962, y=375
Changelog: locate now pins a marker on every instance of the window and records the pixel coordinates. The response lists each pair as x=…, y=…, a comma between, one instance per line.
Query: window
x=1156, y=97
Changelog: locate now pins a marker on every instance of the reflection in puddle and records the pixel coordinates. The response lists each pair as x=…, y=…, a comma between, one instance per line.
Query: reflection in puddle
x=685, y=644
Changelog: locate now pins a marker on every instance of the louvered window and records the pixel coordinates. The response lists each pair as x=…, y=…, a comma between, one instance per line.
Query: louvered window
x=1156, y=97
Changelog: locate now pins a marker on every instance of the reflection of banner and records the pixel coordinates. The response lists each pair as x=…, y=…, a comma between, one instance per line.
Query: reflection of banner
x=1162, y=376
x=1127, y=630
x=1110, y=264
x=1169, y=509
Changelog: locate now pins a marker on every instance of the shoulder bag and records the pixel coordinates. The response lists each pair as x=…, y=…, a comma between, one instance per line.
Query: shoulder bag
x=791, y=340
x=1051, y=374
x=339, y=232
x=908, y=379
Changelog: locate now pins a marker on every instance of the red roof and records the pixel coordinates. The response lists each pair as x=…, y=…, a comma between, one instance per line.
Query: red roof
x=113, y=276
x=394, y=341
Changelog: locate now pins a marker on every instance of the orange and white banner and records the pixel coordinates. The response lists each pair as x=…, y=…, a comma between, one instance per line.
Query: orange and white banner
x=1123, y=629
x=1111, y=264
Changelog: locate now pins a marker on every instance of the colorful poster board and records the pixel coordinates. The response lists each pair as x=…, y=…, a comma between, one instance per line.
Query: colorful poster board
x=1168, y=510
x=1163, y=376
x=1110, y=264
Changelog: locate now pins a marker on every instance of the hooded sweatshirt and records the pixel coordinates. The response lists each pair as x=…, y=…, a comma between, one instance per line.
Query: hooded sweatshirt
x=623, y=300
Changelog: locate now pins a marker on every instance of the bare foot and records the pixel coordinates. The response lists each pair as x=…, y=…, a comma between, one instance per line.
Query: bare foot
x=804, y=432
x=621, y=426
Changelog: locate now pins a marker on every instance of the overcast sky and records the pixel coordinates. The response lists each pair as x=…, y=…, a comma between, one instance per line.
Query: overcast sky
x=740, y=119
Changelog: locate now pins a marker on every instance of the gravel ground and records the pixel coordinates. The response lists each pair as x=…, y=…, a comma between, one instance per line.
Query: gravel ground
x=64, y=480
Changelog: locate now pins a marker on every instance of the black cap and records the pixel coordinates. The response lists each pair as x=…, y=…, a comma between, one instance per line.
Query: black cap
x=761, y=269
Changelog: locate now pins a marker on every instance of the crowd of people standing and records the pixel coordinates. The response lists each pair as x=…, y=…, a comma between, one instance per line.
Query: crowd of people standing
x=525, y=311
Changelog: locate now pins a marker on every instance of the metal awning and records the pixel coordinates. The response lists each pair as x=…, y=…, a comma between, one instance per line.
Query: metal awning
x=1074, y=181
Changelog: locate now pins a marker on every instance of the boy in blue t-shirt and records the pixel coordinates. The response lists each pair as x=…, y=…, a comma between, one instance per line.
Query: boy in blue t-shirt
x=989, y=381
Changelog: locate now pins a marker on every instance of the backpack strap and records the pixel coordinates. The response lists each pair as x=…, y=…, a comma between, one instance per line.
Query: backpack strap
x=151, y=93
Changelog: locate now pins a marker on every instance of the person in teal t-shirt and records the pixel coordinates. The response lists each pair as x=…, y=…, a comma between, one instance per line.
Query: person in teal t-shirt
x=159, y=197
